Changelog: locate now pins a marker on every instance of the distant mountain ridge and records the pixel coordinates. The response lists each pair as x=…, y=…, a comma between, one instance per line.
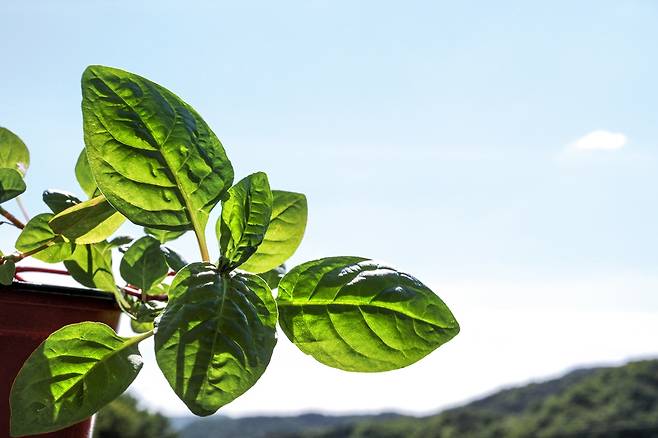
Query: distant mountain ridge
x=607, y=402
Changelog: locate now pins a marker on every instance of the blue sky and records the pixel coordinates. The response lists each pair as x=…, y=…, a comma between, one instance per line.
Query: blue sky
x=443, y=137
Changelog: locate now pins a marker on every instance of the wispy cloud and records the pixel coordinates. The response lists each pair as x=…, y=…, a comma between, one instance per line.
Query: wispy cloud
x=600, y=140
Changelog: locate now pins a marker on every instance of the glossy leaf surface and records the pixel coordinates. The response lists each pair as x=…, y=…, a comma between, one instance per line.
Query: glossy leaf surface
x=244, y=219
x=59, y=201
x=151, y=154
x=88, y=222
x=11, y=184
x=144, y=264
x=357, y=315
x=216, y=336
x=284, y=234
x=76, y=371
x=37, y=232
x=91, y=266
x=13, y=152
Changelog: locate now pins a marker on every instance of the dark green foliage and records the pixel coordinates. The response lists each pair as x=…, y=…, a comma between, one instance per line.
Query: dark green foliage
x=603, y=403
x=124, y=418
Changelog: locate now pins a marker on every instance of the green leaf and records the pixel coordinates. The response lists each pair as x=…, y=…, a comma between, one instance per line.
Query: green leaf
x=13, y=152
x=84, y=176
x=174, y=260
x=141, y=327
x=273, y=277
x=59, y=201
x=244, y=219
x=284, y=234
x=151, y=154
x=11, y=184
x=76, y=371
x=88, y=222
x=91, y=266
x=7, y=271
x=144, y=265
x=120, y=241
x=163, y=236
x=216, y=336
x=37, y=232
x=357, y=315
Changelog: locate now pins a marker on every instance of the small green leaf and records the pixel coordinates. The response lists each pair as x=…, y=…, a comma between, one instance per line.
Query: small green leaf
x=84, y=176
x=144, y=265
x=141, y=327
x=7, y=271
x=273, y=277
x=357, y=315
x=120, y=241
x=11, y=184
x=37, y=232
x=13, y=152
x=91, y=266
x=174, y=260
x=216, y=336
x=244, y=219
x=284, y=234
x=75, y=372
x=151, y=154
x=59, y=201
x=163, y=236
x=88, y=222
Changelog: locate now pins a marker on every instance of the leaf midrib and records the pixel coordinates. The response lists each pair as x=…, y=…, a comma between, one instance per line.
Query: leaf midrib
x=352, y=303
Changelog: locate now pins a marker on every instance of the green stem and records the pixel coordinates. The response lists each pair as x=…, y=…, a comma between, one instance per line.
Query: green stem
x=140, y=338
x=21, y=255
x=11, y=218
x=203, y=246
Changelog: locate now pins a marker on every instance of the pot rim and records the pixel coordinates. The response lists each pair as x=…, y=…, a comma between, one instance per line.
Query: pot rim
x=53, y=289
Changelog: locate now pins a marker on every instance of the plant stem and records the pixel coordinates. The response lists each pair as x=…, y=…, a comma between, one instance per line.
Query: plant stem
x=203, y=246
x=20, y=256
x=11, y=218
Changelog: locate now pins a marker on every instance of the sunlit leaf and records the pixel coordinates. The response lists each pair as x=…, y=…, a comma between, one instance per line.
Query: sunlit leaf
x=13, y=152
x=88, y=222
x=358, y=315
x=37, y=232
x=144, y=264
x=76, y=371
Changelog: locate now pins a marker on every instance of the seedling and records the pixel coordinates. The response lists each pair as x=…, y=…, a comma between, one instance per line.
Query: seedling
x=150, y=158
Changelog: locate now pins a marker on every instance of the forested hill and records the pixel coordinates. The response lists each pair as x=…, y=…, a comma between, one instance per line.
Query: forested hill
x=598, y=402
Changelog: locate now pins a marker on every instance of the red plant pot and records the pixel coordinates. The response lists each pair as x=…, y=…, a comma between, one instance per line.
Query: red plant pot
x=31, y=312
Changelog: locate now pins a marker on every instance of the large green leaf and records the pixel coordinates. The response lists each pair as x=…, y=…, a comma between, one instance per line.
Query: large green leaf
x=37, y=232
x=84, y=176
x=88, y=222
x=13, y=152
x=216, y=336
x=144, y=264
x=91, y=266
x=151, y=154
x=11, y=184
x=284, y=234
x=59, y=201
x=244, y=219
x=75, y=372
x=358, y=315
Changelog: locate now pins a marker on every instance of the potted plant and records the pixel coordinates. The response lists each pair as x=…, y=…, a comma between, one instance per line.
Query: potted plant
x=151, y=159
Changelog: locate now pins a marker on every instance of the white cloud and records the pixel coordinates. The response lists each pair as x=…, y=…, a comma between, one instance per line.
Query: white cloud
x=600, y=140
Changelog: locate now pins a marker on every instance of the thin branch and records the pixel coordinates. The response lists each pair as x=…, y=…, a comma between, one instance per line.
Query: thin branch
x=11, y=218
